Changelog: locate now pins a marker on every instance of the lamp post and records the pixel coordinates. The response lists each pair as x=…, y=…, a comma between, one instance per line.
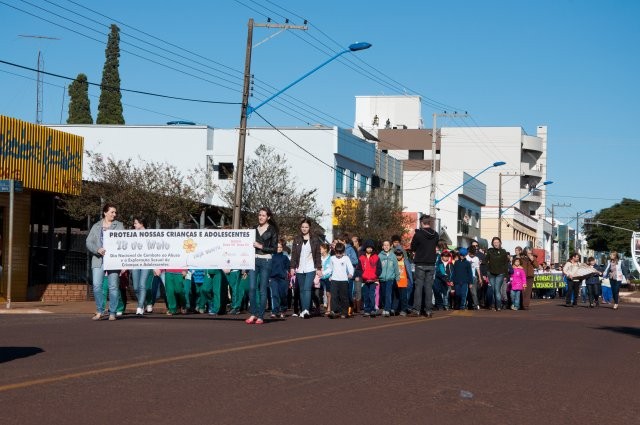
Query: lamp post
x=502, y=211
x=246, y=110
x=495, y=164
x=578, y=215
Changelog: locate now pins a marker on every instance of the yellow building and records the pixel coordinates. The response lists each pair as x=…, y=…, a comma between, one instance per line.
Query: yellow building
x=45, y=163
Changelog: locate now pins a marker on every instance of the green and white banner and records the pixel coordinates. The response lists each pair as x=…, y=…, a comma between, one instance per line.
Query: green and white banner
x=548, y=281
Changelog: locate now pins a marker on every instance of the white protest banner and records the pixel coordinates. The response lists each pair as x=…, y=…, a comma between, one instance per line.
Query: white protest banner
x=179, y=249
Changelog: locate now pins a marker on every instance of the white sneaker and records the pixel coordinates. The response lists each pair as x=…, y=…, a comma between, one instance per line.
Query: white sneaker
x=118, y=313
x=139, y=311
x=149, y=308
x=305, y=314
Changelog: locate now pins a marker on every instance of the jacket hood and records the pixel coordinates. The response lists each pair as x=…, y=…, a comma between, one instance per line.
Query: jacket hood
x=430, y=233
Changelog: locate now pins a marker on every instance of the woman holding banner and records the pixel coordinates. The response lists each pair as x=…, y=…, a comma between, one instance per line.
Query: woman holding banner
x=94, y=244
x=265, y=245
x=139, y=276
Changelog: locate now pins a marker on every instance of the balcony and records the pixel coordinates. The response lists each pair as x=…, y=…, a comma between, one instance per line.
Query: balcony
x=535, y=171
x=535, y=196
x=532, y=143
x=469, y=229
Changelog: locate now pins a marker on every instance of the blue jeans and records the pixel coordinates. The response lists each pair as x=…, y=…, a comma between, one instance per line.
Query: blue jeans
x=139, y=277
x=387, y=286
x=441, y=292
x=515, y=298
x=369, y=297
x=258, y=282
x=400, y=303
x=615, y=289
x=278, y=288
x=496, y=281
x=114, y=289
x=462, y=289
x=305, y=283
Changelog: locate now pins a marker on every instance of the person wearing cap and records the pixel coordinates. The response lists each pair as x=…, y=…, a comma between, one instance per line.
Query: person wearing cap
x=423, y=244
x=396, y=243
x=400, y=303
x=443, y=280
x=462, y=278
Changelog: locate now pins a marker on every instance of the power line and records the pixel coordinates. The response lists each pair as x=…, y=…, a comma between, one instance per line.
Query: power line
x=308, y=108
x=121, y=89
x=123, y=50
x=96, y=96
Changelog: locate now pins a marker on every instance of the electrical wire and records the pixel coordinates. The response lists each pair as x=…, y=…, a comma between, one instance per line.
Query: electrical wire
x=119, y=88
x=95, y=96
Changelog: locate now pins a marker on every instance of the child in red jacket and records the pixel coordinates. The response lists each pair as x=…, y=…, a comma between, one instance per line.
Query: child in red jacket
x=370, y=267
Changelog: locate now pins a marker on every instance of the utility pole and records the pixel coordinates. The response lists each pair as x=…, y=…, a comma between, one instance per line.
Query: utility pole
x=434, y=132
x=553, y=226
x=242, y=138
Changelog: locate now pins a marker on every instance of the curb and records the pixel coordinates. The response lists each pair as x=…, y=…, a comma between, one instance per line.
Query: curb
x=24, y=311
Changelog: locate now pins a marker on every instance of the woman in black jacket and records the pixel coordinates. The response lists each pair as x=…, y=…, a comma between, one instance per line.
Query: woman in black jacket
x=265, y=245
x=498, y=266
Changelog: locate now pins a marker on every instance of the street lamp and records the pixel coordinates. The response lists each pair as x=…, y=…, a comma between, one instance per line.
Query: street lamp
x=502, y=211
x=246, y=110
x=495, y=164
x=578, y=215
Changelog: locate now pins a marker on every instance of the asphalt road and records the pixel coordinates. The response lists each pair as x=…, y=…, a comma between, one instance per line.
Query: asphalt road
x=549, y=365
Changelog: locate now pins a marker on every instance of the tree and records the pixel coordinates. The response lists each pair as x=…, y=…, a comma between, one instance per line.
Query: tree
x=79, y=106
x=377, y=216
x=157, y=191
x=268, y=183
x=624, y=214
x=110, y=104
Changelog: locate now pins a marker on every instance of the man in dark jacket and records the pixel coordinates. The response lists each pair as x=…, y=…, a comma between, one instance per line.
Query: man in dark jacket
x=424, y=245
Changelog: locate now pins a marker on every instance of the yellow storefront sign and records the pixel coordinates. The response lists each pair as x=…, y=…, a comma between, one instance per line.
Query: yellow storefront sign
x=342, y=207
x=40, y=157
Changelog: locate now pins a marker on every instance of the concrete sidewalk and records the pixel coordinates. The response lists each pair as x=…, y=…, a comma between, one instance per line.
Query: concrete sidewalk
x=72, y=307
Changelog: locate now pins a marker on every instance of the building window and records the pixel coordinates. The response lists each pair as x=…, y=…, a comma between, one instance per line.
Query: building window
x=340, y=179
x=225, y=171
x=362, y=187
x=416, y=154
x=352, y=182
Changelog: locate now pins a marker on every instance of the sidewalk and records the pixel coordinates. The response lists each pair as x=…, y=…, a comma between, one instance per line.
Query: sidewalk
x=72, y=307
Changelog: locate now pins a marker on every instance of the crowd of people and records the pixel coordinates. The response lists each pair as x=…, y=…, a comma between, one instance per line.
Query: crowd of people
x=310, y=277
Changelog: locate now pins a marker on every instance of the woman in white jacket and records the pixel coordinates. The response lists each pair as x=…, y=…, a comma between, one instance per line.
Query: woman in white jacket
x=615, y=275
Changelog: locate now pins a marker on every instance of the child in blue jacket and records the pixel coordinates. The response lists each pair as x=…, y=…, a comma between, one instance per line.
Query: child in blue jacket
x=462, y=278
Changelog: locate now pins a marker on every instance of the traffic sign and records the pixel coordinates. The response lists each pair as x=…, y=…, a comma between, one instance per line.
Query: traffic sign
x=5, y=185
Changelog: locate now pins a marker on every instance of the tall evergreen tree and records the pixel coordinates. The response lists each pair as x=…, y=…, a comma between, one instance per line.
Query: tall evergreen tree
x=79, y=106
x=110, y=105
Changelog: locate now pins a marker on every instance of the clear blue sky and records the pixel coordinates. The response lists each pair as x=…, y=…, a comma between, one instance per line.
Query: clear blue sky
x=570, y=65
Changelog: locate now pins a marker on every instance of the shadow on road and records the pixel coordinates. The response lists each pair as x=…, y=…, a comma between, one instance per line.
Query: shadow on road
x=8, y=354
x=622, y=329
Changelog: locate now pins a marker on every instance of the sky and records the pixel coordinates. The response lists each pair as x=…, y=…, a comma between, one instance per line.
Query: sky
x=570, y=65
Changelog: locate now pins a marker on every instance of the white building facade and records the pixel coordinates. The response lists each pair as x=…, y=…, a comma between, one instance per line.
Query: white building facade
x=332, y=160
x=461, y=150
